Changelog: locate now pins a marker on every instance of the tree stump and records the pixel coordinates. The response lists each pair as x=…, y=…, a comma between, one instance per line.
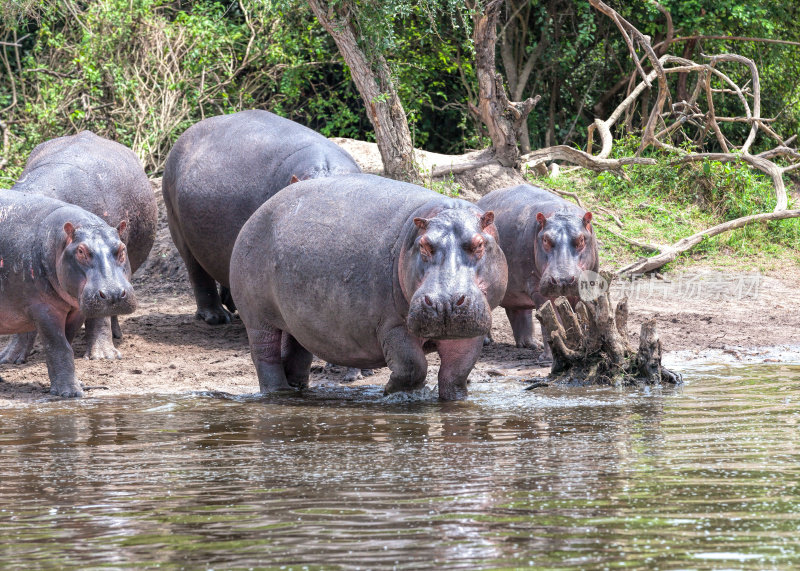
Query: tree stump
x=590, y=345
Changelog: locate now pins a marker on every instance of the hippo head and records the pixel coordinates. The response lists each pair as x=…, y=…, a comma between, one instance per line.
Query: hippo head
x=452, y=273
x=564, y=248
x=94, y=269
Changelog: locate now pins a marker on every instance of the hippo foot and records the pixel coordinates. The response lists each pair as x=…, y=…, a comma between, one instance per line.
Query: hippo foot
x=102, y=350
x=487, y=340
x=18, y=349
x=68, y=391
x=214, y=315
x=530, y=344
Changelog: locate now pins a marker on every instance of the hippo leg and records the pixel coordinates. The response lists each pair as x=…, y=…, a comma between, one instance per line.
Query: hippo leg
x=522, y=325
x=99, y=340
x=296, y=362
x=458, y=357
x=406, y=360
x=226, y=298
x=19, y=348
x=265, y=349
x=52, y=326
x=116, y=331
x=209, y=304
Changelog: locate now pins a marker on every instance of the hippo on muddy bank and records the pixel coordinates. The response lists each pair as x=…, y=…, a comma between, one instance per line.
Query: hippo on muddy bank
x=218, y=173
x=365, y=271
x=106, y=179
x=59, y=265
x=548, y=242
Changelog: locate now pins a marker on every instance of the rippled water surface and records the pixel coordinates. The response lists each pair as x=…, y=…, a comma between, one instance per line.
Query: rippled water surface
x=703, y=477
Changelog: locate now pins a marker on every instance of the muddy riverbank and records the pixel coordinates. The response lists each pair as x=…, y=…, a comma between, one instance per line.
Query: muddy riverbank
x=166, y=350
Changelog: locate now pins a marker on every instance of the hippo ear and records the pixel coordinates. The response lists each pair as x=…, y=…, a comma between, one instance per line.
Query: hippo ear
x=540, y=218
x=69, y=230
x=587, y=220
x=294, y=179
x=487, y=220
x=122, y=230
x=422, y=223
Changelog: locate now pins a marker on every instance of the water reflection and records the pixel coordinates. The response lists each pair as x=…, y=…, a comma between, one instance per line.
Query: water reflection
x=703, y=477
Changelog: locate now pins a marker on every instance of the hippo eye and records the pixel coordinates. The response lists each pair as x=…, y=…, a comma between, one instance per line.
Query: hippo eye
x=547, y=242
x=82, y=254
x=580, y=242
x=122, y=254
x=476, y=246
x=425, y=248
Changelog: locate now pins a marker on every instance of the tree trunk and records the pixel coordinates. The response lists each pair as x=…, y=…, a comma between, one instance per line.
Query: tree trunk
x=373, y=80
x=503, y=118
x=590, y=345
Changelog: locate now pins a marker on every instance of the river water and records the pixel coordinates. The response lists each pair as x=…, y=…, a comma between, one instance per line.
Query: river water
x=705, y=476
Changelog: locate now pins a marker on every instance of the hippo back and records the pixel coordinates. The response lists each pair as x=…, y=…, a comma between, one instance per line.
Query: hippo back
x=223, y=168
x=102, y=177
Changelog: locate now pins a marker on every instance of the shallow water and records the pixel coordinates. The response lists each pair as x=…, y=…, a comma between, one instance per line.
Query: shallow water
x=700, y=477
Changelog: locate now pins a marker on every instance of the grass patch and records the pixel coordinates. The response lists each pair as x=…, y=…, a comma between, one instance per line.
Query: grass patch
x=664, y=203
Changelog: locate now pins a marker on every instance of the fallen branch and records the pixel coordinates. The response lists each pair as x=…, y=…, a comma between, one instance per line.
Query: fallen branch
x=581, y=158
x=668, y=253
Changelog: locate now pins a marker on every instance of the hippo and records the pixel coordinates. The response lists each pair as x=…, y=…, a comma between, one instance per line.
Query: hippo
x=106, y=179
x=548, y=243
x=59, y=265
x=218, y=173
x=365, y=271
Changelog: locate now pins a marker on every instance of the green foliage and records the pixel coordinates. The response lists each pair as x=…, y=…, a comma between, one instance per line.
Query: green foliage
x=663, y=204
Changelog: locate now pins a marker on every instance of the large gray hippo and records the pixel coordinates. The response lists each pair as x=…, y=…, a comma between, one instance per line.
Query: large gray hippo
x=59, y=265
x=218, y=173
x=365, y=271
x=548, y=243
x=106, y=179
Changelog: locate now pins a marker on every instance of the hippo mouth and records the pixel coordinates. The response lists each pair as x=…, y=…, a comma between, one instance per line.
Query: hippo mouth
x=553, y=287
x=426, y=322
x=102, y=304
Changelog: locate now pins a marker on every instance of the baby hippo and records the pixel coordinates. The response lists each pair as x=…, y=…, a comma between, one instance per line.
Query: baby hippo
x=59, y=265
x=365, y=271
x=548, y=243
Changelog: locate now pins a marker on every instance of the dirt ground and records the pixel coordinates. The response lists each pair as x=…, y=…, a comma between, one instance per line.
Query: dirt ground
x=166, y=350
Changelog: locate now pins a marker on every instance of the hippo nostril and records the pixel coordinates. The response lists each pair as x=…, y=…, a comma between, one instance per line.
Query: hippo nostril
x=553, y=281
x=123, y=294
x=428, y=301
x=102, y=294
x=571, y=280
x=461, y=300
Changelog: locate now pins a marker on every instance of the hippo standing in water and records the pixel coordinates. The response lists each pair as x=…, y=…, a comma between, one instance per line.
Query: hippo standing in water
x=59, y=265
x=365, y=271
x=106, y=179
x=218, y=173
x=548, y=243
